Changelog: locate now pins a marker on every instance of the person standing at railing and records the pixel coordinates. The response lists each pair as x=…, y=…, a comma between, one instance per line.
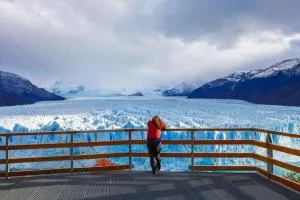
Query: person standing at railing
x=155, y=126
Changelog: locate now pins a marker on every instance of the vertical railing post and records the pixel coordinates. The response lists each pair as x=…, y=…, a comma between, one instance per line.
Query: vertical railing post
x=72, y=151
x=130, y=150
x=7, y=156
x=270, y=168
x=192, y=150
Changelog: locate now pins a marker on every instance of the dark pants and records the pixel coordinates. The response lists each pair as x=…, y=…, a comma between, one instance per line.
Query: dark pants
x=154, y=153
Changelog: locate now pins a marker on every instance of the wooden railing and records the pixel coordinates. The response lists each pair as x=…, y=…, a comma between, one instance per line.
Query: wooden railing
x=269, y=160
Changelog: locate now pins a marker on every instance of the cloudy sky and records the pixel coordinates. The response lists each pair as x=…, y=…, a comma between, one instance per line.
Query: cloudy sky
x=144, y=43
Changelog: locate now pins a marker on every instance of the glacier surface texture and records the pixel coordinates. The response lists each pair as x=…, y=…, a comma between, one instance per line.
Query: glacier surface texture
x=134, y=112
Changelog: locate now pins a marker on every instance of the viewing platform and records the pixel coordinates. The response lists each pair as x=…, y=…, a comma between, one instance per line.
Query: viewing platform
x=122, y=181
x=133, y=185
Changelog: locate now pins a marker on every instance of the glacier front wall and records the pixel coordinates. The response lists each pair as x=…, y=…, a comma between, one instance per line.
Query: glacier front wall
x=133, y=112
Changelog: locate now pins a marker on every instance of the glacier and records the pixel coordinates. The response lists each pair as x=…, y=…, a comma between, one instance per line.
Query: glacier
x=88, y=113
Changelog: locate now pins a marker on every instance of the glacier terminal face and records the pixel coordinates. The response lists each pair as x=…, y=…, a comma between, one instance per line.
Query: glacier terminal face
x=134, y=112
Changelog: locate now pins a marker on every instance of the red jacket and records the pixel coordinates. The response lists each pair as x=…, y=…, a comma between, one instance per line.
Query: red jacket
x=153, y=131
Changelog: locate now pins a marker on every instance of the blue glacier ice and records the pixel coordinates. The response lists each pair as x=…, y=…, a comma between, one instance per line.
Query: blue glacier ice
x=134, y=112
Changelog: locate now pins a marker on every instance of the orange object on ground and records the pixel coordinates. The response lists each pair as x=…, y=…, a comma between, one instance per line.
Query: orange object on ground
x=104, y=163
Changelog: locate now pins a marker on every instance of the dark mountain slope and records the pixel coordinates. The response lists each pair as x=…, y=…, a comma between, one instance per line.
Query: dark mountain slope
x=278, y=85
x=15, y=90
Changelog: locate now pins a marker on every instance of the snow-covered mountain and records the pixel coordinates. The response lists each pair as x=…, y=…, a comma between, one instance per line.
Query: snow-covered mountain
x=183, y=89
x=66, y=89
x=278, y=84
x=137, y=94
x=70, y=90
x=118, y=92
x=16, y=90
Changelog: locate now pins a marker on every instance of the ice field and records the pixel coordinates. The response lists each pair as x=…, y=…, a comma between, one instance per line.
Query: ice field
x=134, y=112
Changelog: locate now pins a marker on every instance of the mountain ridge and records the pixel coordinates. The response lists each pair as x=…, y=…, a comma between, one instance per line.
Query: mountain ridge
x=17, y=90
x=277, y=85
x=182, y=89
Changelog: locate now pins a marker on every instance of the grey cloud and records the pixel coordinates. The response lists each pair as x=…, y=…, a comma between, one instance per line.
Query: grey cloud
x=224, y=19
x=137, y=43
x=295, y=44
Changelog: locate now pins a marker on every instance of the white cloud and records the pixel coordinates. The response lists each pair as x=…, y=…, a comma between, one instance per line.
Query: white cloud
x=117, y=44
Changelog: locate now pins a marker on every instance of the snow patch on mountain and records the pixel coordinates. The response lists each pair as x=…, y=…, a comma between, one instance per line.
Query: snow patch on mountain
x=16, y=90
x=66, y=88
x=291, y=66
x=14, y=83
x=70, y=90
x=182, y=89
x=282, y=66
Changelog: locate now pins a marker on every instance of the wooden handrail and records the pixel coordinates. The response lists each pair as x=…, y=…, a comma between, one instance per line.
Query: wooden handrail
x=288, y=150
x=279, y=179
x=39, y=146
x=115, y=155
x=179, y=155
x=139, y=142
x=39, y=159
x=135, y=154
x=284, y=181
x=277, y=162
x=192, y=142
x=223, y=142
x=197, y=155
x=293, y=135
x=223, y=155
x=123, y=142
x=66, y=170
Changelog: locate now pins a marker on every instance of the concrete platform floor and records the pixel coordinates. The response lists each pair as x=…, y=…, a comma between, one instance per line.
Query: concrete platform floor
x=145, y=186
